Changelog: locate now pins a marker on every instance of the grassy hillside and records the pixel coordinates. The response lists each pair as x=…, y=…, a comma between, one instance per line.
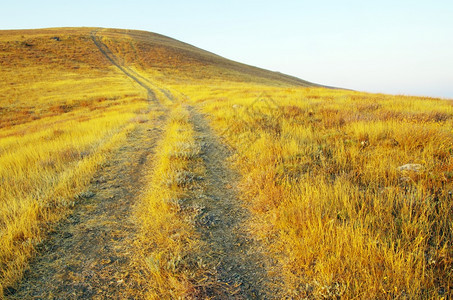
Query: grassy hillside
x=348, y=194
x=351, y=192
x=168, y=59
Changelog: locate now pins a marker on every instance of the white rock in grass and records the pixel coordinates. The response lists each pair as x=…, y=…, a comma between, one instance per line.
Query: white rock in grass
x=411, y=168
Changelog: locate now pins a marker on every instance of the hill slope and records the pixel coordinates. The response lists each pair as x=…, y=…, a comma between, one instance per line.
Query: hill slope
x=69, y=97
x=67, y=47
x=66, y=56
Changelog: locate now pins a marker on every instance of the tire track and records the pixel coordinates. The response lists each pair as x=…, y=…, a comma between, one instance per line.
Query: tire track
x=238, y=259
x=127, y=71
x=89, y=254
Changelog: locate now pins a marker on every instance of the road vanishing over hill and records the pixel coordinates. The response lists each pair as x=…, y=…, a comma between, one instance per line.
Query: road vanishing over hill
x=137, y=166
x=139, y=79
x=88, y=255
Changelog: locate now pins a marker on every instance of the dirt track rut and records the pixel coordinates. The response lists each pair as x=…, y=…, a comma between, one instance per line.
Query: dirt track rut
x=239, y=264
x=89, y=254
x=142, y=81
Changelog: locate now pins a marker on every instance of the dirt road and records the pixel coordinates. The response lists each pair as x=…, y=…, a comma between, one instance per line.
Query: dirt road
x=89, y=255
x=239, y=264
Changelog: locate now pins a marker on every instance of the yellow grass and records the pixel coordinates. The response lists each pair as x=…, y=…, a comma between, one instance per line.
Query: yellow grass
x=320, y=167
x=320, y=174
x=58, y=125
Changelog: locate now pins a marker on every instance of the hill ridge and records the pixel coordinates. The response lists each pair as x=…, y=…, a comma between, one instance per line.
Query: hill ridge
x=155, y=39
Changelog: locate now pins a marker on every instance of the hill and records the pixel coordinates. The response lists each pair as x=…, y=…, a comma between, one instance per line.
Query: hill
x=134, y=165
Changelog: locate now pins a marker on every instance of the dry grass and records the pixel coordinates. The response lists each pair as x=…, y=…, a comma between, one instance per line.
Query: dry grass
x=320, y=168
x=320, y=174
x=59, y=124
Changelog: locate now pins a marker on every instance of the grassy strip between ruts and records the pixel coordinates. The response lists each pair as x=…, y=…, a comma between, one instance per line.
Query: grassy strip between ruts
x=168, y=244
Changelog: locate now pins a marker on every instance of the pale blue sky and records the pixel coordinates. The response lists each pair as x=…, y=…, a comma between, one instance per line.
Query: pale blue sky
x=397, y=47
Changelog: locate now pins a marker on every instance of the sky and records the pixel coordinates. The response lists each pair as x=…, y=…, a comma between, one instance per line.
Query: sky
x=387, y=46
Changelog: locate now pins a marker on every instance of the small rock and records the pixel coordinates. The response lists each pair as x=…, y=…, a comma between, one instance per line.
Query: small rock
x=87, y=195
x=411, y=168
